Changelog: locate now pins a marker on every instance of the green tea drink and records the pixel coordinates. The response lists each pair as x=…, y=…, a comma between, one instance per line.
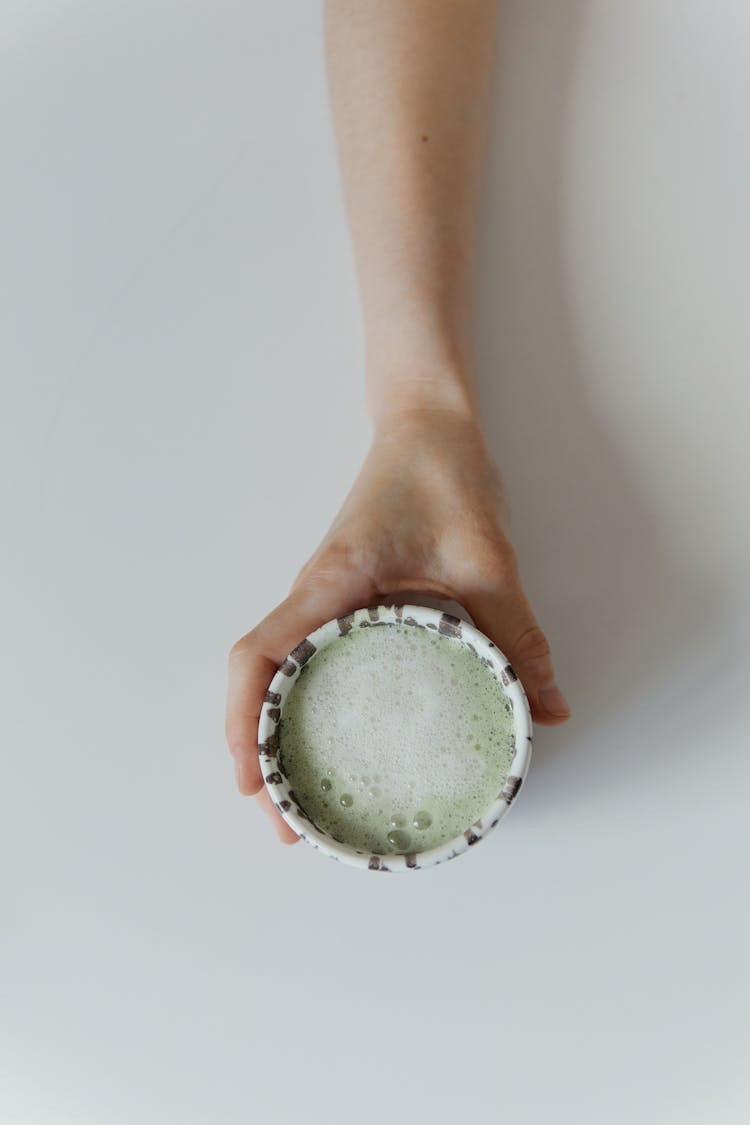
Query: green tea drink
x=395, y=739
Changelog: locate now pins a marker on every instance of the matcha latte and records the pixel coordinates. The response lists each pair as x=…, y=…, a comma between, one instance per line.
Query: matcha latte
x=394, y=739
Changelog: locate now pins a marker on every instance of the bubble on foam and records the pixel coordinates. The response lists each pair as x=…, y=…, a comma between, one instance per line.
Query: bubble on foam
x=422, y=820
x=399, y=840
x=326, y=784
x=397, y=821
x=346, y=800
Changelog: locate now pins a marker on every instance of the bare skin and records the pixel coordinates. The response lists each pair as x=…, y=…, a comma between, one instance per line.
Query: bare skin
x=410, y=91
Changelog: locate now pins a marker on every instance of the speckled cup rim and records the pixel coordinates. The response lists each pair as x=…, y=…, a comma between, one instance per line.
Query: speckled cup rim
x=445, y=625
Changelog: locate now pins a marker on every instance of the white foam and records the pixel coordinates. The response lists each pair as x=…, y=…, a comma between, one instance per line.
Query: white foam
x=417, y=711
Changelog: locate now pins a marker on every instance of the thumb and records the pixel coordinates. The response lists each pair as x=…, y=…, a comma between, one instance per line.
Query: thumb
x=506, y=617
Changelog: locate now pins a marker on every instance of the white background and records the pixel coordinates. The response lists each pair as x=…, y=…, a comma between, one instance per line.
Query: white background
x=178, y=306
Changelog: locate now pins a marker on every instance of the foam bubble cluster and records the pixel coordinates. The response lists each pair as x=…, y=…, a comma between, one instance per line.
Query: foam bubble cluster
x=395, y=739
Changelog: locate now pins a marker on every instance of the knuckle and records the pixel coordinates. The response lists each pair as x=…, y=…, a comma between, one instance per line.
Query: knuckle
x=241, y=741
x=325, y=568
x=500, y=550
x=480, y=552
x=329, y=562
x=240, y=647
x=491, y=541
x=492, y=558
x=532, y=646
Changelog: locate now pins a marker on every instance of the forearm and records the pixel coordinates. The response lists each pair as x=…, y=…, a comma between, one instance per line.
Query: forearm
x=410, y=84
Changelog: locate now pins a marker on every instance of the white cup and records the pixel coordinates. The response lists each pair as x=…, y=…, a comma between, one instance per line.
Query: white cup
x=418, y=616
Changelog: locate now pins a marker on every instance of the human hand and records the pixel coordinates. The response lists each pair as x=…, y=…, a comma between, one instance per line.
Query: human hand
x=427, y=512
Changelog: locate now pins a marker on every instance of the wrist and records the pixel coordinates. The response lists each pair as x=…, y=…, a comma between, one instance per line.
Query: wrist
x=429, y=421
x=420, y=389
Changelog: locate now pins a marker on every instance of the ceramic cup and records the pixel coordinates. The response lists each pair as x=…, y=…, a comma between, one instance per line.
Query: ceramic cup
x=418, y=617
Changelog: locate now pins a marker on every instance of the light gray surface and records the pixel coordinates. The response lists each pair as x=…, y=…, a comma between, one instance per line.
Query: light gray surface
x=178, y=305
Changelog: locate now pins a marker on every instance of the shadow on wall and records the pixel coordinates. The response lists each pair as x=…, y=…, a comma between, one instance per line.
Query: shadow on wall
x=620, y=609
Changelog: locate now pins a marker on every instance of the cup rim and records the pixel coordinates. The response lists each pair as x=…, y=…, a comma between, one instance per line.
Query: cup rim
x=419, y=616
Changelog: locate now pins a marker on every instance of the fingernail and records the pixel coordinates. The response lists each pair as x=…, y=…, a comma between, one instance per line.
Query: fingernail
x=553, y=701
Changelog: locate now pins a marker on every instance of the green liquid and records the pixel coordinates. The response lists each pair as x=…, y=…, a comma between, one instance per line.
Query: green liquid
x=412, y=731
